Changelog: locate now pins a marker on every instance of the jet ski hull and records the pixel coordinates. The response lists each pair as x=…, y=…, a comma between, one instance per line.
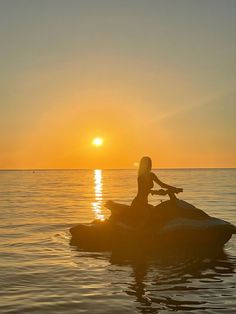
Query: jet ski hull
x=181, y=225
x=104, y=236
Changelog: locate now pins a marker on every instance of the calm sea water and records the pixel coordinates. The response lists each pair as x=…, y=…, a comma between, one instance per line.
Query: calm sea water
x=41, y=273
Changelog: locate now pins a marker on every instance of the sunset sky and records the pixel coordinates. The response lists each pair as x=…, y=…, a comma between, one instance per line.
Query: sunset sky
x=153, y=77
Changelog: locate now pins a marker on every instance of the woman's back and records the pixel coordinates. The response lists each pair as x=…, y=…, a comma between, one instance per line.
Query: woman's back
x=145, y=184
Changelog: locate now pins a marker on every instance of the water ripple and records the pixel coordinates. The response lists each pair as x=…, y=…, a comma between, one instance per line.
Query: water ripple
x=41, y=273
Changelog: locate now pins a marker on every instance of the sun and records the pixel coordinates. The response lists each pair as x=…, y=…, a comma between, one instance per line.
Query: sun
x=97, y=141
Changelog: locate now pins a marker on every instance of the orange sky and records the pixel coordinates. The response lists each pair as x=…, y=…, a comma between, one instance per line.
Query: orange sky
x=148, y=78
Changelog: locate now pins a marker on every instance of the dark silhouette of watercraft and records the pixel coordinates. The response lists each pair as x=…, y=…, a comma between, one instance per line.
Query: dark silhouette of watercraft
x=170, y=224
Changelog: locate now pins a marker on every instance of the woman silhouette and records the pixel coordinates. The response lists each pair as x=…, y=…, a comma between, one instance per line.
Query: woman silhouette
x=146, y=180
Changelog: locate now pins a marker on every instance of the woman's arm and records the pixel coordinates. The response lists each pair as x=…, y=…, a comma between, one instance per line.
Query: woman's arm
x=164, y=185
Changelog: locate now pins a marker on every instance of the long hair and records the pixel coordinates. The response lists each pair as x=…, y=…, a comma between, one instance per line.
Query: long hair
x=145, y=165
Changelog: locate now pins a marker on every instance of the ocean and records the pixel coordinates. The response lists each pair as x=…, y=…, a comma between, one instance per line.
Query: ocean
x=40, y=272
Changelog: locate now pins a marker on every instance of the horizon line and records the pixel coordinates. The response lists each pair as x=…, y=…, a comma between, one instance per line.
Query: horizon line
x=70, y=169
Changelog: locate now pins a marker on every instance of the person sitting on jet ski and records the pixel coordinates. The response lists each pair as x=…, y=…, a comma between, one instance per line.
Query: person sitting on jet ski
x=146, y=180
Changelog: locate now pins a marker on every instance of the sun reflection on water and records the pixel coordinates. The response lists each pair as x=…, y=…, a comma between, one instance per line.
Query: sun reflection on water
x=97, y=205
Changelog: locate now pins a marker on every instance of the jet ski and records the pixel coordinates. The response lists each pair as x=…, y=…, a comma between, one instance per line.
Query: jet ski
x=172, y=223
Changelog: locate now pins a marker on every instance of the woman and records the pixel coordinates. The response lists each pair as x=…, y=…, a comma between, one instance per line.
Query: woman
x=146, y=180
